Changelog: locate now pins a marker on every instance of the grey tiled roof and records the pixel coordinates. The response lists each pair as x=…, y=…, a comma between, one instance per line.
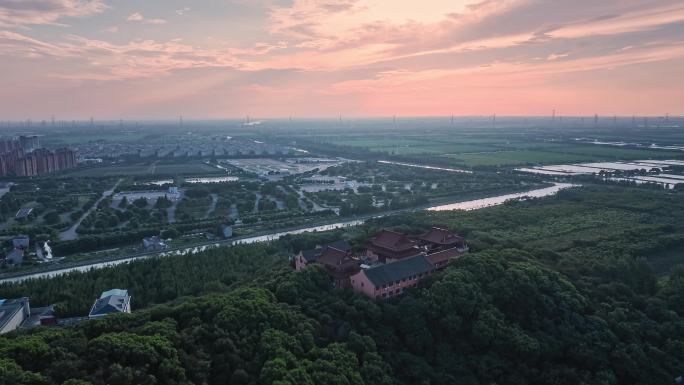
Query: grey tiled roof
x=313, y=254
x=404, y=268
x=109, y=304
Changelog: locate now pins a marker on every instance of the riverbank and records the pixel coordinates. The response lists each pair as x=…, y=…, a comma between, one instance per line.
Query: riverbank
x=84, y=265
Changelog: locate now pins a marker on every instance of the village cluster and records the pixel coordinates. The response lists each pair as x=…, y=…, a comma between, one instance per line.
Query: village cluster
x=391, y=262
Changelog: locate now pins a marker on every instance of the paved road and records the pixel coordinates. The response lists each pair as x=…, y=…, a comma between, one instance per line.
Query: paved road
x=302, y=202
x=233, y=212
x=212, y=206
x=256, y=203
x=70, y=233
x=171, y=210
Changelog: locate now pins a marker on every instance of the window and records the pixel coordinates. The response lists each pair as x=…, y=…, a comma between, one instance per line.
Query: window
x=361, y=283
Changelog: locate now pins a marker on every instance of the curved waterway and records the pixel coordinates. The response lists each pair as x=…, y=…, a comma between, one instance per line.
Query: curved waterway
x=494, y=201
x=467, y=205
x=426, y=167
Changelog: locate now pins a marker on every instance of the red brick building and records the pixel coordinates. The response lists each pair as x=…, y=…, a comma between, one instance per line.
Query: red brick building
x=391, y=279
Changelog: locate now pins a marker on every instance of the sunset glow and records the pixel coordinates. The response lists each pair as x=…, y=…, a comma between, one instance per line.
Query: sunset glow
x=230, y=58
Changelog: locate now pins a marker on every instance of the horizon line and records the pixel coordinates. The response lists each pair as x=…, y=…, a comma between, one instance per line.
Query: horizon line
x=50, y=122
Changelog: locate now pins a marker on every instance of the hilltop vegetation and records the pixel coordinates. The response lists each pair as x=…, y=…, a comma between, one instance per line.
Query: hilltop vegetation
x=555, y=291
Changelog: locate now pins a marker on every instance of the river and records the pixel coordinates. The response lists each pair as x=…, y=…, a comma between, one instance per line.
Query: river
x=493, y=201
x=426, y=167
x=467, y=205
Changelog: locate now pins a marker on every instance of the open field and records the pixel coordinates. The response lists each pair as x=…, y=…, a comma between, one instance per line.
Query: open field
x=561, y=154
x=144, y=169
x=474, y=149
x=512, y=158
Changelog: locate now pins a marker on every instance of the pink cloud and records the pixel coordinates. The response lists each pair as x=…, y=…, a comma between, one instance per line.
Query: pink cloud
x=137, y=17
x=22, y=13
x=365, y=56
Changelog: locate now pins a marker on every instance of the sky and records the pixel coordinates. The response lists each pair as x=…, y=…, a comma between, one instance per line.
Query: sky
x=159, y=59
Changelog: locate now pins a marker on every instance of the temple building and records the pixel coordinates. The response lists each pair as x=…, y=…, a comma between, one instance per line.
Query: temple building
x=391, y=263
x=440, y=239
x=306, y=257
x=340, y=265
x=390, y=246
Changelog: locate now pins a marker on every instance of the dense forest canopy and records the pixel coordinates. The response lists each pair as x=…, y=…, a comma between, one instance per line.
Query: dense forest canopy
x=582, y=288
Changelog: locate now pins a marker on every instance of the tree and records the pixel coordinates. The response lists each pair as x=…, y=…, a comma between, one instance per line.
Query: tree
x=51, y=218
x=140, y=202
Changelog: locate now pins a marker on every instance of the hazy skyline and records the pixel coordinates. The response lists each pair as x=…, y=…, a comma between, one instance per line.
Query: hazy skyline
x=225, y=59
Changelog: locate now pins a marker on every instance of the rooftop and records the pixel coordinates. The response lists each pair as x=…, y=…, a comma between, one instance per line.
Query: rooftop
x=313, y=254
x=23, y=213
x=10, y=307
x=405, y=268
x=119, y=292
x=109, y=304
x=393, y=240
x=444, y=255
x=440, y=236
x=111, y=301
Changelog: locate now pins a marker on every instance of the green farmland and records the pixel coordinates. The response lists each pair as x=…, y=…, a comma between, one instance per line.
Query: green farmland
x=479, y=150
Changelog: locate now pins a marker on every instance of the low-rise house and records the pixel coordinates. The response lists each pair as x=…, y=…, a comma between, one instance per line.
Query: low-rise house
x=40, y=316
x=15, y=257
x=13, y=312
x=227, y=231
x=154, y=243
x=306, y=257
x=111, y=302
x=390, y=246
x=23, y=213
x=21, y=241
x=391, y=279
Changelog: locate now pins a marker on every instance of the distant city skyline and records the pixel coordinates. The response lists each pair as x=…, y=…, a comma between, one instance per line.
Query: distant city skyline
x=204, y=59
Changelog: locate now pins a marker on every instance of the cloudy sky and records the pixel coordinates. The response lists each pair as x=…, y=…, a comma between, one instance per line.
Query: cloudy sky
x=276, y=58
